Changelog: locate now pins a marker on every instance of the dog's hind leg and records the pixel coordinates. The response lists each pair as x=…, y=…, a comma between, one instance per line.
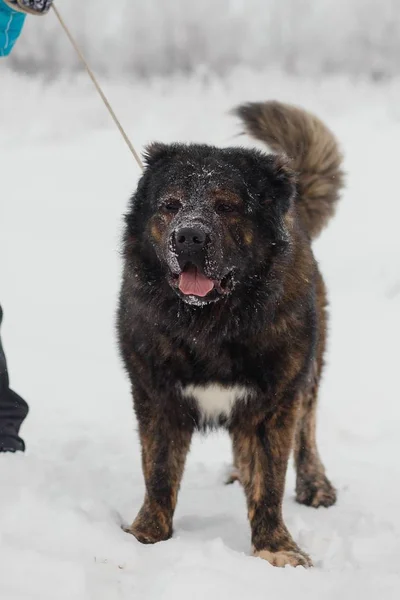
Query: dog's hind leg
x=233, y=473
x=313, y=488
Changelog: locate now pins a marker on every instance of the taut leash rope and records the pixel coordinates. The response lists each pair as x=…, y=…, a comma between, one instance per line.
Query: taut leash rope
x=98, y=88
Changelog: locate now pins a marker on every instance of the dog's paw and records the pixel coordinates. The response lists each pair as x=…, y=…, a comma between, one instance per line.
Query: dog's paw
x=316, y=493
x=149, y=530
x=294, y=558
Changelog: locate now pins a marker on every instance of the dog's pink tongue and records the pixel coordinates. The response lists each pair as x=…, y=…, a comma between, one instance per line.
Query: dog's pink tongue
x=194, y=283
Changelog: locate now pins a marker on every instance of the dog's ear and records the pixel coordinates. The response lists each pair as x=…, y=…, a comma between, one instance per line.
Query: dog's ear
x=281, y=181
x=155, y=152
x=269, y=176
x=158, y=151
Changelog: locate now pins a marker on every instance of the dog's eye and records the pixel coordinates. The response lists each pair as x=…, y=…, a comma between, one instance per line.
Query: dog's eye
x=224, y=208
x=172, y=206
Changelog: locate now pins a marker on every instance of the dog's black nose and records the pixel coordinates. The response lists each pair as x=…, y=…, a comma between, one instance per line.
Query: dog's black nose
x=190, y=239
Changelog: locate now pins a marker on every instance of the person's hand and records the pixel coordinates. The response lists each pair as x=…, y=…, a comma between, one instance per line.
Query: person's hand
x=33, y=7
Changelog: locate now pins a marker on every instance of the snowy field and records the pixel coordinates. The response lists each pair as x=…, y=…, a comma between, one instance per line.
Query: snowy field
x=65, y=181
x=299, y=36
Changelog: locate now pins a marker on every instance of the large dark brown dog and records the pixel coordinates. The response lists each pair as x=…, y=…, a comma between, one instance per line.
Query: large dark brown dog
x=222, y=317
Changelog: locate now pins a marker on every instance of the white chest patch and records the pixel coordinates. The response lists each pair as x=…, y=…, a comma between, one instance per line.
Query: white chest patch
x=215, y=400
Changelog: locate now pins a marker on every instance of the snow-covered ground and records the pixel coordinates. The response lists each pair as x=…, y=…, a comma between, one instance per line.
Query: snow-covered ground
x=65, y=178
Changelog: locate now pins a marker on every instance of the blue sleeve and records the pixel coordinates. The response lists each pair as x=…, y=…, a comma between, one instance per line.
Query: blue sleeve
x=11, y=23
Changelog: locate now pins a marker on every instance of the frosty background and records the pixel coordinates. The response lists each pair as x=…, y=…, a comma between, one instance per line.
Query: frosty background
x=147, y=37
x=173, y=69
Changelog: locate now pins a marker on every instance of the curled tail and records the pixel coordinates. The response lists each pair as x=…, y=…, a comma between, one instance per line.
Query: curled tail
x=313, y=151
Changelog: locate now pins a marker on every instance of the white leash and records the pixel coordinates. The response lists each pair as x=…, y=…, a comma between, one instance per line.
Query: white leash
x=98, y=88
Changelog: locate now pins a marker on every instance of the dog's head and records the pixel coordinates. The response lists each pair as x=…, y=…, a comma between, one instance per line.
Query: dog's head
x=206, y=219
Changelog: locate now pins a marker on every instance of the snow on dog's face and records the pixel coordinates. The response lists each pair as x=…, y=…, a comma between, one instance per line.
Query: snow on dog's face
x=204, y=219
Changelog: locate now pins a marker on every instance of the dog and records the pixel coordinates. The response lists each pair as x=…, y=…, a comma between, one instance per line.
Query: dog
x=222, y=315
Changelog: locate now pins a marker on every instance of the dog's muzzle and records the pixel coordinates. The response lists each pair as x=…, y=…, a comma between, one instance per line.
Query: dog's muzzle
x=191, y=244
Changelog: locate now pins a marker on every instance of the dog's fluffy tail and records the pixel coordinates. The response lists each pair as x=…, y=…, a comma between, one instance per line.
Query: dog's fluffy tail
x=313, y=151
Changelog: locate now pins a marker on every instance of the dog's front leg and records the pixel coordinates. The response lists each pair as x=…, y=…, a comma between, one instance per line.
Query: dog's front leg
x=165, y=444
x=262, y=453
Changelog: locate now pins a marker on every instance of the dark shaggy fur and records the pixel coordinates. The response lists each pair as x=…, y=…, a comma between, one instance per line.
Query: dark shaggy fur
x=240, y=222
